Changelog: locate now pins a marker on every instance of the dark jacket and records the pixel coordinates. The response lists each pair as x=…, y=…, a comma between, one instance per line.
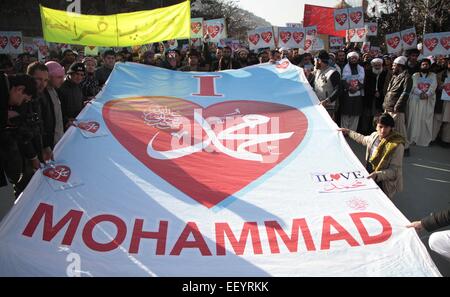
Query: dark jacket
x=71, y=97
x=102, y=75
x=436, y=220
x=397, y=93
x=370, y=81
x=48, y=119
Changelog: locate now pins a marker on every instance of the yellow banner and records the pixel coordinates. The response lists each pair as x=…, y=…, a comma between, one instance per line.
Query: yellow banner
x=124, y=29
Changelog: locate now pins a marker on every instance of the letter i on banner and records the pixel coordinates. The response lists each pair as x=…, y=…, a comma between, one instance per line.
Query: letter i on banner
x=341, y=19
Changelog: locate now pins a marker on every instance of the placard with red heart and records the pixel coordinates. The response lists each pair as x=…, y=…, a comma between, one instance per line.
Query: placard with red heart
x=209, y=181
x=60, y=176
x=431, y=43
x=350, y=35
x=445, y=40
x=341, y=19
x=371, y=28
x=308, y=43
x=393, y=42
x=215, y=29
x=423, y=86
x=90, y=128
x=3, y=42
x=285, y=36
x=197, y=28
x=254, y=38
x=446, y=90
x=298, y=36
x=267, y=36
x=409, y=38
x=356, y=16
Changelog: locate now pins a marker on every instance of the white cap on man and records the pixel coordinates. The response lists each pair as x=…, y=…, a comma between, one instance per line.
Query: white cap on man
x=352, y=54
x=376, y=61
x=401, y=60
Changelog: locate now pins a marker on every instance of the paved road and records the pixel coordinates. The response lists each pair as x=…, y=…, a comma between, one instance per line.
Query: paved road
x=426, y=180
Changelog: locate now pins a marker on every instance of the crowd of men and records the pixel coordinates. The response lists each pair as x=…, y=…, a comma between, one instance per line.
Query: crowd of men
x=41, y=100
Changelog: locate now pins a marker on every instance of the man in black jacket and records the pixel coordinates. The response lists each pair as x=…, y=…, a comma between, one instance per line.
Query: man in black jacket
x=439, y=241
x=71, y=94
x=373, y=95
x=15, y=146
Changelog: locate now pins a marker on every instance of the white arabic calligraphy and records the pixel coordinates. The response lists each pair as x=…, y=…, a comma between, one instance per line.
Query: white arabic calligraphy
x=249, y=121
x=161, y=117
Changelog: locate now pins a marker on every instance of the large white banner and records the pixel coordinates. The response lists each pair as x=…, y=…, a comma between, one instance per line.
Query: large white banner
x=234, y=173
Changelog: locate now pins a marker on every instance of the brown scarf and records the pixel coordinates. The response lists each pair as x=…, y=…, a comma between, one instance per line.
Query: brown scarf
x=384, y=150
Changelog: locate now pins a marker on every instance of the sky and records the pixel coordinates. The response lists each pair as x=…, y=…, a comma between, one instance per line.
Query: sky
x=280, y=12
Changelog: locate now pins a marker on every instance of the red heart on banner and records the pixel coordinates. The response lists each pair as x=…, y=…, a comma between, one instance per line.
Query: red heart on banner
x=207, y=174
x=60, y=173
x=89, y=126
x=409, y=38
x=445, y=41
x=16, y=41
x=373, y=28
x=283, y=65
x=341, y=18
x=361, y=32
x=354, y=83
x=335, y=176
x=3, y=41
x=356, y=16
x=447, y=88
x=393, y=41
x=431, y=43
x=213, y=30
x=298, y=36
x=266, y=36
x=254, y=38
x=196, y=27
x=285, y=36
x=308, y=43
x=423, y=86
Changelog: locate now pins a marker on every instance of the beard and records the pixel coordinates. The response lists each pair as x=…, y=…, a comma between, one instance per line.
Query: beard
x=377, y=71
x=426, y=70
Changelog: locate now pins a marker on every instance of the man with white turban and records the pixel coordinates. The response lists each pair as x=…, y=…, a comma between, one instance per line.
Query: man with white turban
x=353, y=86
x=397, y=95
x=373, y=95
